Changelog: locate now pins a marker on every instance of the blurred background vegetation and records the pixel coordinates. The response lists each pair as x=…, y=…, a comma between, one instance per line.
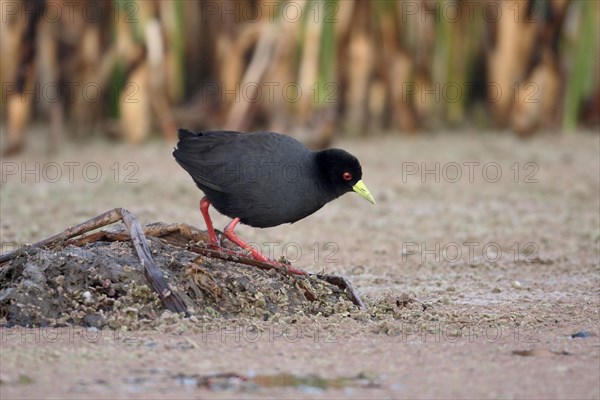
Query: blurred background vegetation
x=133, y=69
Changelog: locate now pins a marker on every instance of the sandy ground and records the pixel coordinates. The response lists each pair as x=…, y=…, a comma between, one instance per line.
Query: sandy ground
x=507, y=268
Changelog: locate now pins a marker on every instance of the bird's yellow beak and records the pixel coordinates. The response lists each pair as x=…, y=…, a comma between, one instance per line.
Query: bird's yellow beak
x=361, y=189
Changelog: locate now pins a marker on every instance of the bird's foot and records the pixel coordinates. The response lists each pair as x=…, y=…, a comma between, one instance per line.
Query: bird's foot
x=257, y=254
x=277, y=264
x=289, y=268
x=220, y=247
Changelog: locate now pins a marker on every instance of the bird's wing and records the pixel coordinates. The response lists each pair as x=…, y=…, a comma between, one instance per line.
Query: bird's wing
x=220, y=160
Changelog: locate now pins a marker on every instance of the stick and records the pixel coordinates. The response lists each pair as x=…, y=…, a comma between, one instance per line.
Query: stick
x=343, y=283
x=99, y=221
x=169, y=298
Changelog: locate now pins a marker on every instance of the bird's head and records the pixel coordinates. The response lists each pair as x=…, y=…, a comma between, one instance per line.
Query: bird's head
x=343, y=172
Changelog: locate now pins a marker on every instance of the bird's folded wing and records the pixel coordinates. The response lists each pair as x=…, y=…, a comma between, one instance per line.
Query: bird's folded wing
x=218, y=160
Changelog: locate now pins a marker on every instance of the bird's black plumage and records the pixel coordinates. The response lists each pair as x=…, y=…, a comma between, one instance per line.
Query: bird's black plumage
x=264, y=178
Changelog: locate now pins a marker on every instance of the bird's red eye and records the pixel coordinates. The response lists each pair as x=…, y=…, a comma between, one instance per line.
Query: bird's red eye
x=347, y=176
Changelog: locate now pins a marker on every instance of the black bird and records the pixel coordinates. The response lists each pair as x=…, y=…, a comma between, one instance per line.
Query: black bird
x=264, y=179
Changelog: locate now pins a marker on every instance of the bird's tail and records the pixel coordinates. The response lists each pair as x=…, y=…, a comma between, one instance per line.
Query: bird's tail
x=183, y=133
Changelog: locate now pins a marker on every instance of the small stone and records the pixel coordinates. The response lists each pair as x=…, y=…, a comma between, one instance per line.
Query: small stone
x=517, y=285
x=87, y=297
x=93, y=321
x=581, y=334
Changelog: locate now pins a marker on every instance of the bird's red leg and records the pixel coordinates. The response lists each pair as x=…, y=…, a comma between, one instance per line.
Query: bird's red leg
x=204, y=204
x=230, y=234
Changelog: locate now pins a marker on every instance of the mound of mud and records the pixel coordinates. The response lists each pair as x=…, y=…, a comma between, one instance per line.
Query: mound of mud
x=102, y=284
